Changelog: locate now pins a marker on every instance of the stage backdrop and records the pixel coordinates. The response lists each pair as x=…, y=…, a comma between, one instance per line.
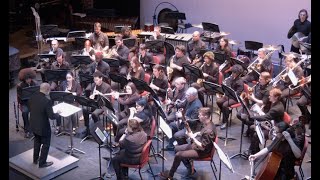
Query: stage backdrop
x=263, y=21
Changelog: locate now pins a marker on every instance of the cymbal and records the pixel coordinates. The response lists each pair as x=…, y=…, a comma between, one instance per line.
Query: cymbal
x=271, y=47
x=296, y=55
x=224, y=33
x=233, y=42
x=197, y=25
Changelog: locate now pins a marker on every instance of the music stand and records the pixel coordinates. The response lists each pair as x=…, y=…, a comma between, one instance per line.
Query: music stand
x=238, y=61
x=230, y=93
x=219, y=57
x=212, y=88
x=55, y=75
x=162, y=114
x=80, y=59
x=122, y=80
x=212, y=29
x=223, y=158
x=245, y=107
x=101, y=137
x=143, y=86
x=253, y=46
x=155, y=45
x=167, y=30
x=49, y=30
x=42, y=56
x=112, y=62
x=193, y=72
x=27, y=92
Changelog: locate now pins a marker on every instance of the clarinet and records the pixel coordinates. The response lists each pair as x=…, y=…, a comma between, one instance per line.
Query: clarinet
x=16, y=116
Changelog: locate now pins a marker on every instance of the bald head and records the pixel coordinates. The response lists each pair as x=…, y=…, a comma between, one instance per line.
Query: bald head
x=196, y=36
x=45, y=88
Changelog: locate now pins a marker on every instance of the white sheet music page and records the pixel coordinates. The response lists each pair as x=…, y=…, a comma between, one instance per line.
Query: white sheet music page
x=292, y=77
x=100, y=134
x=165, y=128
x=66, y=109
x=223, y=156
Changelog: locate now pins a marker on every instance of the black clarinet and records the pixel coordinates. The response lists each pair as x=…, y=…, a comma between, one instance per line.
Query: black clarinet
x=16, y=116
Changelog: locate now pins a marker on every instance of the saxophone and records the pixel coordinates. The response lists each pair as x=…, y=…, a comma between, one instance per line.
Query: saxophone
x=200, y=80
x=170, y=69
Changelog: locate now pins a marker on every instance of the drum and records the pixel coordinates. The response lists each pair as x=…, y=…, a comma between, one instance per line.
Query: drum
x=148, y=27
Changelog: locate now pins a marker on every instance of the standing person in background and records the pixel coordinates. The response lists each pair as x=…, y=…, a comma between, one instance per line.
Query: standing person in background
x=303, y=25
x=98, y=37
x=40, y=112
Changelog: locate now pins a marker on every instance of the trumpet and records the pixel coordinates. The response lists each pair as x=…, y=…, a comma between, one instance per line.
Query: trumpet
x=301, y=83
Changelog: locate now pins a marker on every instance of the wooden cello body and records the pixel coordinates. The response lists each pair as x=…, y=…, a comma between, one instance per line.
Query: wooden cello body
x=270, y=166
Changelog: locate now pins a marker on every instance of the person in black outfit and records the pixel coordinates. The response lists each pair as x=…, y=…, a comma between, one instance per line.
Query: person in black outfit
x=273, y=116
x=121, y=52
x=159, y=82
x=131, y=143
x=26, y=76
x=289, y=142
x=40, y=112
x=145, y=58
x=200, y=146
x=100, y=65
x=303, y=25
x=305, y=100
x=236, y=83
x=194, y=47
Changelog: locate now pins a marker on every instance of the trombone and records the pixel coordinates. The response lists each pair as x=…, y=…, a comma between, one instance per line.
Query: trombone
x=301, y=82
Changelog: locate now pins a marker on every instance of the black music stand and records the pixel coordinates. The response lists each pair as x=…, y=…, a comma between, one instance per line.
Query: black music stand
x=193, y=72
x=80, y=59
x=79, y=42
x=112, y=62
x=212, y=88
x=238, y=61
x=101, y=137
x=55, y=75
x=253, y=46
x=85, y=79
x=223, y=158
x=219, y=57
x=122, y=80
x=212, y=29
x=143, y=86
x=42, y=56
x=161, y=113
x=245, y=108
x=49, y=30
x=155, y=46
x=230, y=93
x=167, y=30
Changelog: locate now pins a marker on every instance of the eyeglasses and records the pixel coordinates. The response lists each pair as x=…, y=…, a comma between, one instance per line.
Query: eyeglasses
x=303, y=15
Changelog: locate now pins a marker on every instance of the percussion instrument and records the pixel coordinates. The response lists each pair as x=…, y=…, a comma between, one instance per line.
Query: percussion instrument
x=148, y=27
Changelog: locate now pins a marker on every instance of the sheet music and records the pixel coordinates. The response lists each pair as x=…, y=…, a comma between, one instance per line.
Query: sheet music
x=165, y=128
x=260, y=133
x=66, y=109
x=100, y=134
x=257, y=109
x=292, y=77
x=224, y=158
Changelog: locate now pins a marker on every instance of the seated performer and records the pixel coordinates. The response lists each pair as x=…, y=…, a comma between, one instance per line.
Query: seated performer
x=131, y=144
x=27, y=77
x=55, y=47
x=100, y=65
x=96, y=88
x=159, y=82
x=88, y=50
x=225, y=49
x=60, y=63
x=135, y=69
x=120, y=52
x=210, y=70
x=145, y=58
x=200, y=146
x=69, y=85
x=191, y=109
x=235, y=82
x=176, y=97
x=288, y=143
x=273, y=116
x=258, y=96
x=305, y=100
x=175, y=68
x=262, y=63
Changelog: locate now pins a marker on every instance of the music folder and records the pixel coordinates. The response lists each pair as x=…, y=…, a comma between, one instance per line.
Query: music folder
x=80, y=59
x=212, y=87
x=193, y=70
x=55, y=75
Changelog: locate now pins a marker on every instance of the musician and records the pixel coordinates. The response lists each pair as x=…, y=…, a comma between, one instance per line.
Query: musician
x=303, y=25
x=69, y=85
x=273, y=116
x=176, y=96
x=98, y=87
x=121, y=52
x=60, y=63
x=235, y=82
x=156, y=34
x=259, y=96
x=55, y=47
x=177, y=61
x=291, y=63
x=159, y=82
x=142, y=113
x=200, y=147
x=305, y=100
x=289, y=143
x=191, y=108
x=145, y=58
x=27, y=79
x=127, y=101
x=262, y=63
x=40, y=111
x=210, y=70
x=159, y=50
x=135, y=69
x=194, y=47
x=224, y=48
x=126, y=33
x=98, y=37
x=100, y=65
x=132, y=143
x=88, y=50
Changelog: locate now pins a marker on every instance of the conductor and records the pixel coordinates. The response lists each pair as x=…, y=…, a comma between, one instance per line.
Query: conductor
x=40, y=112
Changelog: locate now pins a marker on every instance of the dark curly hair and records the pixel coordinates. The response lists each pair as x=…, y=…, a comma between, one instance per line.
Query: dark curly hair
x=26, y=73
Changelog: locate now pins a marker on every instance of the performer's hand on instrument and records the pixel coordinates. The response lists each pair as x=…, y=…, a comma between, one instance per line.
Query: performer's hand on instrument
x=116, y=95
x=286, y=135
x=153, y=86
x=178, y=114
x=92, y=96
x=252, y=157
x=205, y=75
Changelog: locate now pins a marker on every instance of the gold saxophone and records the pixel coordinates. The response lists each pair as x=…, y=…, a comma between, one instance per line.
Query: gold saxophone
x=170, y=69
x=200, y=80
